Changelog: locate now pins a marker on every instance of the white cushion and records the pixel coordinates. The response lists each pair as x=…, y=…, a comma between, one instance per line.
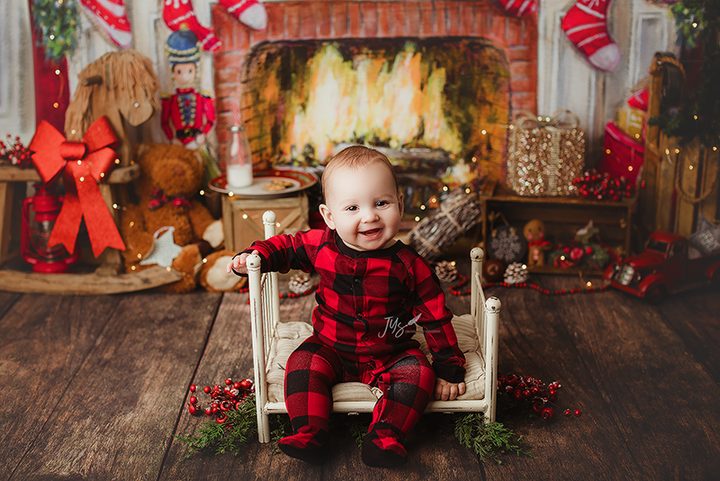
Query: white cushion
x=291, y=334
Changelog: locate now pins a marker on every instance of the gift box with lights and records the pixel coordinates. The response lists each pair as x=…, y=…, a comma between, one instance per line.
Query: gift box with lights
x=545, y=154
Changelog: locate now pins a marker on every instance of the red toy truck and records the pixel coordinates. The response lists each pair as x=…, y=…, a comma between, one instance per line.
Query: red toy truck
x=664, y=268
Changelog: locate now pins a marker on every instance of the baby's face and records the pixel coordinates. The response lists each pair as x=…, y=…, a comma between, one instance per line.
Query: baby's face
x=363, y=206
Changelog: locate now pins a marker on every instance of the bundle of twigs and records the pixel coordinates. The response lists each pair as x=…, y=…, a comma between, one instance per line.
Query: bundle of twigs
x=457, y=214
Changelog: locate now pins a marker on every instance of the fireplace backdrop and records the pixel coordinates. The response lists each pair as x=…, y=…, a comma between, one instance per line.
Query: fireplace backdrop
x=472, y=67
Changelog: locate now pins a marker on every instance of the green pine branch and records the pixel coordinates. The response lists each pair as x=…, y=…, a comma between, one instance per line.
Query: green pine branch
x=488, y=440
x=57, y=24
x=228, y=437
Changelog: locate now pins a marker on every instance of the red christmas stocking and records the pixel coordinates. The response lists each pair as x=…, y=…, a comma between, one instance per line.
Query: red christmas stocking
x=111, y=17
x=250, y=12
x=585, y=24
x=519, y=8
x=177, y=13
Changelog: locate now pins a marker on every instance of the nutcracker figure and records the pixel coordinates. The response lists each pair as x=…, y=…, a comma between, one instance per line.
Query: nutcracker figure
x=187, y=115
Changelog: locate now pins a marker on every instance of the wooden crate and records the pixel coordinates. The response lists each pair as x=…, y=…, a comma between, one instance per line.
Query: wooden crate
x=243, y=218
x=563, y=217
x=681, y=181
x=696, y=186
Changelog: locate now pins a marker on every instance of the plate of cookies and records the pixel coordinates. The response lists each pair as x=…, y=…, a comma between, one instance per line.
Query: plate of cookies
x=266, y=183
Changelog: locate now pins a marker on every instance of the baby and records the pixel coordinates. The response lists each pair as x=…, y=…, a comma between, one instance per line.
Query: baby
x=372, y=293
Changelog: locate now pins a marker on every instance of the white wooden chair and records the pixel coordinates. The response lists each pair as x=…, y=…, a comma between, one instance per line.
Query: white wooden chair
x=274, y=341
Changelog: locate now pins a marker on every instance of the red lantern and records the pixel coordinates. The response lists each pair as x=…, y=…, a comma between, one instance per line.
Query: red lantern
x=39, y=214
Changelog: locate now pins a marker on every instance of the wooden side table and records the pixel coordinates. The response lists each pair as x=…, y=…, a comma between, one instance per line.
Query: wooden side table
x=10, y=176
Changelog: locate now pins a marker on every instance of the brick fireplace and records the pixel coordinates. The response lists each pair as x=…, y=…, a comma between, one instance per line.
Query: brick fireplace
x=338, y=20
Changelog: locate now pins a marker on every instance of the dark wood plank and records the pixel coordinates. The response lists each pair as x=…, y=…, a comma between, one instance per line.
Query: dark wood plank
x=43, y=342
x=7, y=299
x=627, y=371
x=116, y=417
x=695, y=317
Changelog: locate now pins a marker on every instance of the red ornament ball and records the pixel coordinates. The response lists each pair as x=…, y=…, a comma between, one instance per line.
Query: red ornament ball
x=193, y=387
x=578, y=413
x=193, y=400
x=206, y=389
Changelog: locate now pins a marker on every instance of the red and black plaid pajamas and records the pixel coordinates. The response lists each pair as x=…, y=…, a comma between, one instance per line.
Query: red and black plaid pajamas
x=369, y=303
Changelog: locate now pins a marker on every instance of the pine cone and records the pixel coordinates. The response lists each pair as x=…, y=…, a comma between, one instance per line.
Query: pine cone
x=446, y=271
x=299, y=283
x=516, y=273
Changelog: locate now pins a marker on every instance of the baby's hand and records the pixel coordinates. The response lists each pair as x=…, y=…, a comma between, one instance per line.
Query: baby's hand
x=238, y=263
x=447, y=391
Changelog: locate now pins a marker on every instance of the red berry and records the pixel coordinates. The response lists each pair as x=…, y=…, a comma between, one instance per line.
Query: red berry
x=193, y=410
x=228, y=381
x=206, y=389
x=208, y=411
x=547, y=413
x=246, y=384
x=578, y=413
x=552, y=395
x=567, y=412
x=193, y=387
x=236, y=385
x=193, y=400
x=518, y=394
x=526, y=393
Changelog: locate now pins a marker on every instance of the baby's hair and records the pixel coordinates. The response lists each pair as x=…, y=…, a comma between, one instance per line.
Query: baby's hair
x=355, y=157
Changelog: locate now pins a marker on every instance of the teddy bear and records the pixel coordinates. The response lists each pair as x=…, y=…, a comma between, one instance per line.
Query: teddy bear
x=167, y=226
x=534, y=232
x=214, y=276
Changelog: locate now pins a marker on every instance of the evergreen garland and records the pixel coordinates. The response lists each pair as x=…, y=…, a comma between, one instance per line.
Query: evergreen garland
x=228, y=437
x=699, y=114
x=488, y=440
x=56, y=23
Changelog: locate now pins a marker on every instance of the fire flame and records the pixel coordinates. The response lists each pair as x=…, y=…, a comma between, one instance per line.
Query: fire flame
x=368, y=98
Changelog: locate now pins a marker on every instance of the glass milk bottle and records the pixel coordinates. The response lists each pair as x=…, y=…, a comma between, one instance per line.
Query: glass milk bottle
x=238, y=160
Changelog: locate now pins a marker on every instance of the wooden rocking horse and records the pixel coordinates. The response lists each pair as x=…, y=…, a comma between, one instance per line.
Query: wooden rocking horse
x=123, y=87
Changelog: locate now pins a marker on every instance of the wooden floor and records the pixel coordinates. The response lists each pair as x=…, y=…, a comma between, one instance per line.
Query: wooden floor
x=94, y=388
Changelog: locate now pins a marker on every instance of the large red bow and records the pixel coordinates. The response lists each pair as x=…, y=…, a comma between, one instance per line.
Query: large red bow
x=85, y=164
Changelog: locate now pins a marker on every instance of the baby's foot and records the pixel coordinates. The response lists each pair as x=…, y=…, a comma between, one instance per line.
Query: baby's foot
x=381, y=451
x=309, y=444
